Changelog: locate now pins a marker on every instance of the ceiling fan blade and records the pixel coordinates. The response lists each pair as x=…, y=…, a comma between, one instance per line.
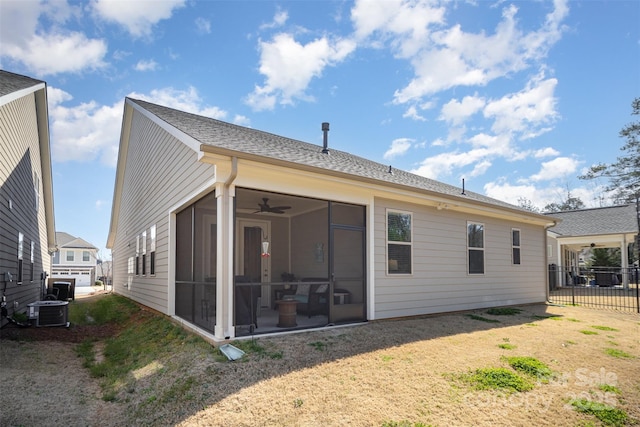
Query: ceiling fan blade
x=280, y=207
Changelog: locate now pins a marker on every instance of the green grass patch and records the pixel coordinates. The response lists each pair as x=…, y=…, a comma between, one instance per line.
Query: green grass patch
x=318, y=345
x=614, y=352
x=497, y=379
x=604, y=328
x=507, y=346
x=255, y=348
x=108, y=309
x=530, y=366
x=609, y=389
x=588, y=332
x=503, y=311
x=482, y=319
x=147, y=344
x=608, y=415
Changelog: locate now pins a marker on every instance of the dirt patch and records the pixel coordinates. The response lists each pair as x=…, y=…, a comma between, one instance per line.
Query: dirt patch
x=386, y=371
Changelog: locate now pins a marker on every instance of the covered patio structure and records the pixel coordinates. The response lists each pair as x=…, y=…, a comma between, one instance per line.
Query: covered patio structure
x=579, y=232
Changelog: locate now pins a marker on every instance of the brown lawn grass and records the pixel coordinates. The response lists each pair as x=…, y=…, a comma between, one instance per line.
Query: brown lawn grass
x=375, y=374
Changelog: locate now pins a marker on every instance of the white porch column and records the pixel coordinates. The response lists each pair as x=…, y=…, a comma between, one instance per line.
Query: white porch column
x=624, y=254
x=224, y=267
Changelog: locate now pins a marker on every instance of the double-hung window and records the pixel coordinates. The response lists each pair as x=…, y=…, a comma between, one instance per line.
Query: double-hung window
x=144, y=252
x=515, y=246
x=138, y=255
x=152, y=254
x=20, y=256
x=33, y=257
x=399, y=242
x=475, y=247
x=71, y=256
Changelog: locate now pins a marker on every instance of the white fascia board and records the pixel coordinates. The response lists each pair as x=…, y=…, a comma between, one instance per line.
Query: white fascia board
x=186, y=139
x=21, y=93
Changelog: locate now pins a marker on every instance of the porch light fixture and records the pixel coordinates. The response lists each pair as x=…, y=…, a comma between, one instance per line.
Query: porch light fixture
x=265, y=250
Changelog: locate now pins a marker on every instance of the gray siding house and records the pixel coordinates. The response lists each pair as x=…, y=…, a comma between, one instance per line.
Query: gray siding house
x=235, y=232
x=27, y=228
x=75, y=259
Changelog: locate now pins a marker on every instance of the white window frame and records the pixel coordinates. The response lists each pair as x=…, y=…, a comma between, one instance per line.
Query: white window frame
x=476, y=248
x=20, y=258
x=518, y=247
x=152, y=250
x=144, y=252
x=88, y=256
x=137, y=255
x=399, y=243
x=73, y=256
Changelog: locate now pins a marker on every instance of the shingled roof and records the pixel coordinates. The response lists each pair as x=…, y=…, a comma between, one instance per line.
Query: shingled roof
x=66, y=240
x=237, y=140
x=11, y=82
x=620, y=219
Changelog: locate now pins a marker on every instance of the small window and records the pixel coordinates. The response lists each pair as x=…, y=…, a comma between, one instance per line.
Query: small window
x=515, y=246
x=33, y=258
x=36, y=189
x=130, y=268
x=152, y=254
x=399, y=242
x=144, y=252
x=56, y=257
x=20, y=256
x=71, y=255
x=86, y=257
x=137, y=255
x=475, y=247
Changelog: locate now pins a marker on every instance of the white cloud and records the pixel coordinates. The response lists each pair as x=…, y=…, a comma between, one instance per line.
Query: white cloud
x=289, y=67
x=84, y=132
x=443, y=164
x=279, y=19
x=545, y=152
x=203, y=26
x=146, y=65
x=559, y=167
x=398, y=147
x=89, y=131
x=412, y=113
x=525, y=112
x=445, y=57
x=47, y=51
x=184, y=100
x=138, y=17
x=456, y=112
x=541, y=195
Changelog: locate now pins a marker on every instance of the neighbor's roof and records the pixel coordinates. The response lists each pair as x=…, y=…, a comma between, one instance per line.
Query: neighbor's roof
x=596, y=222
x=241, y=140
x=11, y=82
x=66, y=240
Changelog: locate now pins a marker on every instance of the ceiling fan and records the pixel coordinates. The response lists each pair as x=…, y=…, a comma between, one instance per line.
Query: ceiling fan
x=264, y=207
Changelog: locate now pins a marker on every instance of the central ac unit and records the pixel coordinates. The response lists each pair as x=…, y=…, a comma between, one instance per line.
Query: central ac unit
x=49, y=313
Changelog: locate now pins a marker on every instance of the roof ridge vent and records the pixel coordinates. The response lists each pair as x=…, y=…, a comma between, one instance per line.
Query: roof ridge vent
x=325, y=143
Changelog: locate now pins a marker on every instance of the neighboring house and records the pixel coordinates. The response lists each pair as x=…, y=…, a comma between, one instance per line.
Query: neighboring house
x=27, y=227
x=75, y=258
x=582, y=230
x=222, y=226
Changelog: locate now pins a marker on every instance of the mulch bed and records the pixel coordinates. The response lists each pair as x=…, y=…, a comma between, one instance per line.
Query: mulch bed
x=74, y=333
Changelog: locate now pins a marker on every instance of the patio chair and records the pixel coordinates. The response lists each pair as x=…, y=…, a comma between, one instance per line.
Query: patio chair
x=313, y=298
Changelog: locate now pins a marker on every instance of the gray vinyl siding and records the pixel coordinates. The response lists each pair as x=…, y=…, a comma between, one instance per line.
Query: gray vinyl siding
x=160, y=171
x=19, y=160
x=439, y=281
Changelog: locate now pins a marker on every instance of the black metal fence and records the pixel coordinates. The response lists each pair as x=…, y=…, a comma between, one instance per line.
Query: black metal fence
x=612, y=288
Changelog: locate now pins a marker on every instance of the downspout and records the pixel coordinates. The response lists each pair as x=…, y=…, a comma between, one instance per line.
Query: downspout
x=224, y=316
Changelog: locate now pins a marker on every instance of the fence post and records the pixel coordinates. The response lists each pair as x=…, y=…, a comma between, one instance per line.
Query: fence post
x=637, y=290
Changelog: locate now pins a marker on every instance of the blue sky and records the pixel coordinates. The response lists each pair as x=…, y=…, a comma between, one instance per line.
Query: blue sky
x=516, y=97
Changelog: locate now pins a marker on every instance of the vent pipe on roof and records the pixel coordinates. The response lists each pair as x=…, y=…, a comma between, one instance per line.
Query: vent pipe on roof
x=325, y=144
